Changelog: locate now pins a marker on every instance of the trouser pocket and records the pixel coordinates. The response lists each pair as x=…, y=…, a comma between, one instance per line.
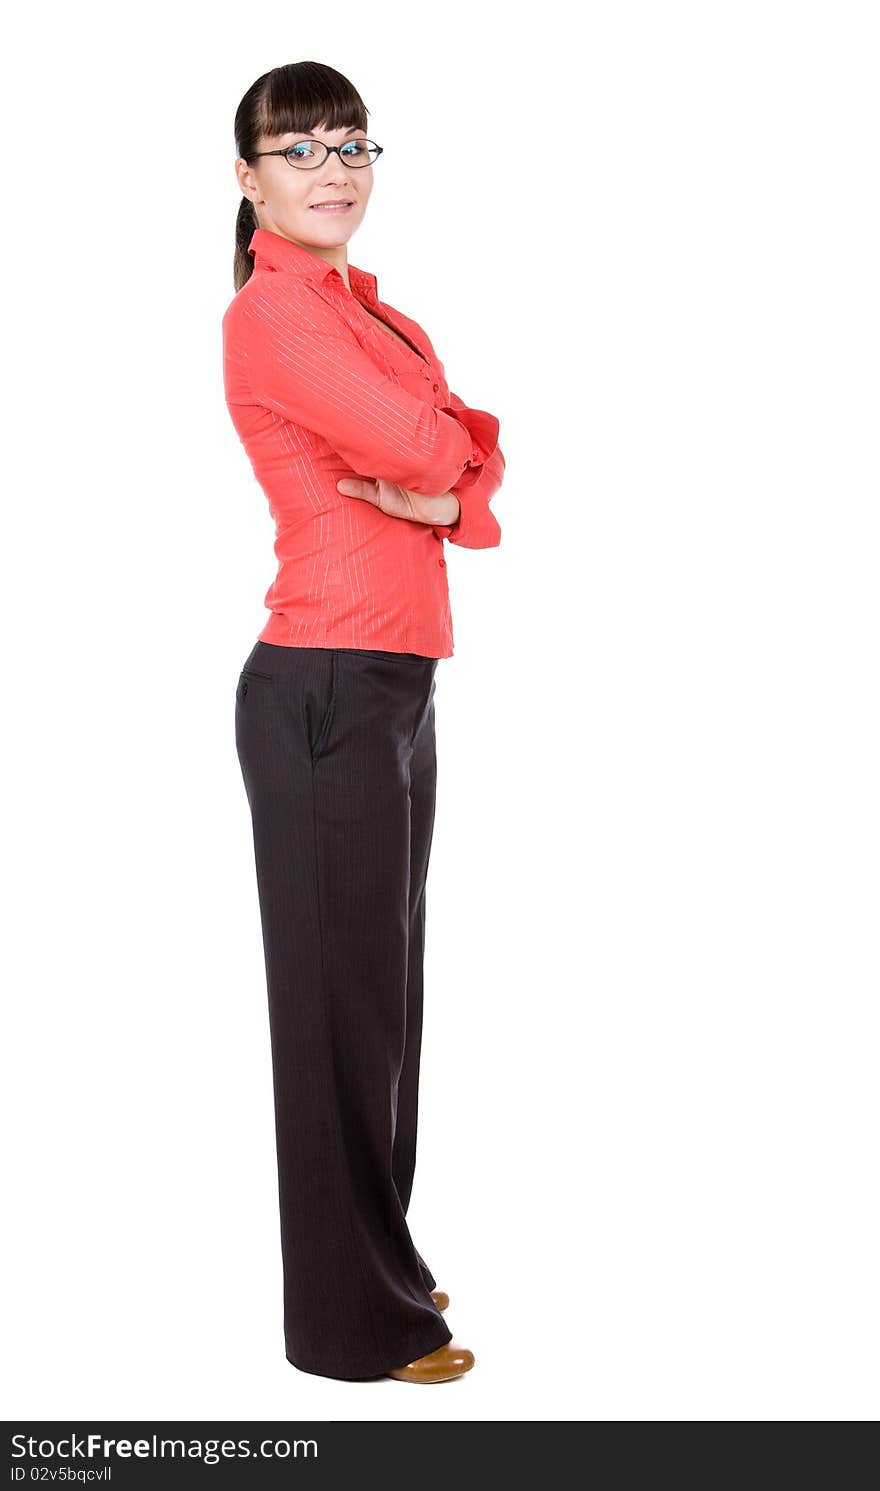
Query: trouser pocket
x=319, y=700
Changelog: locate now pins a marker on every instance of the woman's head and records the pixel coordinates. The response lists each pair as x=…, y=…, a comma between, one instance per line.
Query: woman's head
x=284, y=106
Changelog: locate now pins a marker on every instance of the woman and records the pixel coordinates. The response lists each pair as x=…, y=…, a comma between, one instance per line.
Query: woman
x=369, y=462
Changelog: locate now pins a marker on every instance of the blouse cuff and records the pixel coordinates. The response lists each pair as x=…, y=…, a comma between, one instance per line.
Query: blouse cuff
x=484, y=429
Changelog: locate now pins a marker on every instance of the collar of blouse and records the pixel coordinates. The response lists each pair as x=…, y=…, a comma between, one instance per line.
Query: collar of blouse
x=278, y=253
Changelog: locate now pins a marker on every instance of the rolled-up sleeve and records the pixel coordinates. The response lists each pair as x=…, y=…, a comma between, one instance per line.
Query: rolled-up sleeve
x=476, y=526
x=303, y=362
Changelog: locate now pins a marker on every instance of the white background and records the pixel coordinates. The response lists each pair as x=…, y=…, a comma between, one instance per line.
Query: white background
x=647, y=1169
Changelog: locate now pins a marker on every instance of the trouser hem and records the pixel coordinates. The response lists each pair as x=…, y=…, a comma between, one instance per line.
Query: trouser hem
x=372, y=1365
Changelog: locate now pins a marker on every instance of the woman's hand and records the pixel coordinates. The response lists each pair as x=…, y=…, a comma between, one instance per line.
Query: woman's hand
x=399, y=502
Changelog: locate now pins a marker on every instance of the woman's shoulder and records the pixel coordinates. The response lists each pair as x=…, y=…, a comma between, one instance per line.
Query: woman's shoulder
x=263, y=291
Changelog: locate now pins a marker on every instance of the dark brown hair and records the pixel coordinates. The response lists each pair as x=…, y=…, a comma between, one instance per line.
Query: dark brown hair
x=296, y=98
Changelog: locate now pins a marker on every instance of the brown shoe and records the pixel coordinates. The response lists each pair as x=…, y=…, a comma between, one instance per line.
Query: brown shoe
x=440, y=1298
x=447, y=1361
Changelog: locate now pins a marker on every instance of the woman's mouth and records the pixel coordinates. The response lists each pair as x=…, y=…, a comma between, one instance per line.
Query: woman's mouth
x=331, y=206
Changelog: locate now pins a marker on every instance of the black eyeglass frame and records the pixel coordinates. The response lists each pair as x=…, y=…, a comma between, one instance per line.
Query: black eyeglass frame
x=328, y=148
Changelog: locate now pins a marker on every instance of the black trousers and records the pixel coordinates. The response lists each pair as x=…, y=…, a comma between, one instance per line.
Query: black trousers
x=337, y=751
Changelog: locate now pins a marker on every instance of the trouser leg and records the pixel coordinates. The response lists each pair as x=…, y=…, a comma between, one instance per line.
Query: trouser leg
x=326, y=740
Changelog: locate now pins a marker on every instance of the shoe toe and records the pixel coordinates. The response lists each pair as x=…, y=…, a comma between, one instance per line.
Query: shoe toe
x=448, y=1361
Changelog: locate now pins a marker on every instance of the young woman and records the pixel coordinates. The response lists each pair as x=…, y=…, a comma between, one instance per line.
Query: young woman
x=369, y=463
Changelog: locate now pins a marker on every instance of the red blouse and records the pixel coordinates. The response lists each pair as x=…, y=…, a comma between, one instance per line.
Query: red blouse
x=318, y=391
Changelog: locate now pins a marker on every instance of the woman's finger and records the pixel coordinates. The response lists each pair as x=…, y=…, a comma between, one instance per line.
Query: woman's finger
x=357, y=486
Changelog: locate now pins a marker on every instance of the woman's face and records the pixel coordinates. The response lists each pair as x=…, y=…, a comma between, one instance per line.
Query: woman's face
x=288, y=200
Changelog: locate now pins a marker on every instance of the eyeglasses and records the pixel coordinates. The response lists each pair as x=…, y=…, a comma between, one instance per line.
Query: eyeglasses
x=307, y=155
